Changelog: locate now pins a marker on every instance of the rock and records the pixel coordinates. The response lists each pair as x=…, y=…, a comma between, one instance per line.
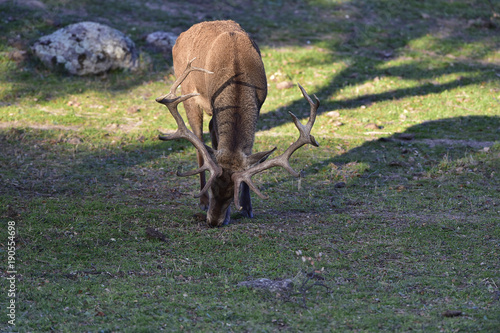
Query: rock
x=87, y=48
x=161, y=40
x=285, y=85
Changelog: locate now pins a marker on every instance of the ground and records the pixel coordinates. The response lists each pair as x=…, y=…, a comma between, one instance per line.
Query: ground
x=397, y=213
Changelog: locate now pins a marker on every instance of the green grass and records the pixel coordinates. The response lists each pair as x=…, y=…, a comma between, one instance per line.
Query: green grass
x=401, y=229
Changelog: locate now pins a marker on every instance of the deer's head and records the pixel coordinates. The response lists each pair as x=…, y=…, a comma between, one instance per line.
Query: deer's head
x=230, y=171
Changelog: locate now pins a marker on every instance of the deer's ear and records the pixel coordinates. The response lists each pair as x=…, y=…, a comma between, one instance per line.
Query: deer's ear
x=259, y=157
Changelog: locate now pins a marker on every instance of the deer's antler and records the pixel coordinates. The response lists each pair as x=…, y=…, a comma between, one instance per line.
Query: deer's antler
x=282, y=160
x=171, y=101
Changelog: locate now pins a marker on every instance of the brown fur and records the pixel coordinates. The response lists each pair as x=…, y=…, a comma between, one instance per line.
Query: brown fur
x=233, y=96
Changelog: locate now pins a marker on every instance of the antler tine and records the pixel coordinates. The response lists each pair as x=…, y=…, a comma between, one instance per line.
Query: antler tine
x=314, y=108
x=171, y=101
x=282, y=160
x=179, y=80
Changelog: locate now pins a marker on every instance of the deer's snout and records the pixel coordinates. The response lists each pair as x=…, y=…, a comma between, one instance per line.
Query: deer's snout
x=218, y=218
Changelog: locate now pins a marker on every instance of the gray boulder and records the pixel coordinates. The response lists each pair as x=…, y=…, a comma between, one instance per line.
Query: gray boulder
x=87, y=48
x=161, y=40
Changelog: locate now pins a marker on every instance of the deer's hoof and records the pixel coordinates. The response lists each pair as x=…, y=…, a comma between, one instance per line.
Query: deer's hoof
x=247, y=213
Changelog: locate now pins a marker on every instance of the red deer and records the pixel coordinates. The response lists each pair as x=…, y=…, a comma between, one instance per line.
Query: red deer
x=230, y=85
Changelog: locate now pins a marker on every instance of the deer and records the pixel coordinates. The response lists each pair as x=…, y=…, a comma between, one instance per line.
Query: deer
x=229, y=85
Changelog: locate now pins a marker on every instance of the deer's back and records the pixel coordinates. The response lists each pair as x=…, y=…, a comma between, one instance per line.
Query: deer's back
x=234, y=94
x=224, y=48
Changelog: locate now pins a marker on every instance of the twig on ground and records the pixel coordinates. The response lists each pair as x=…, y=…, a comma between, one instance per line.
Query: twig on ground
x=302, y=290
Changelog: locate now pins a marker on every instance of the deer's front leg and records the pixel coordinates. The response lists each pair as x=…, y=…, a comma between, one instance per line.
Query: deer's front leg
x=204, y=198
x=195, y=118
x=245, y=201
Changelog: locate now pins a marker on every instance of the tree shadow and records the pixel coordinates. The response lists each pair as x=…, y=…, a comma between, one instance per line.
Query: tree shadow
x=365, y=34
x=422, y=147
x=374, y=35
x=51, y=163
x=147, y=169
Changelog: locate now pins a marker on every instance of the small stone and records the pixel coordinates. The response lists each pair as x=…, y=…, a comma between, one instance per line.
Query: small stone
x=333, y=114
x=161, y=40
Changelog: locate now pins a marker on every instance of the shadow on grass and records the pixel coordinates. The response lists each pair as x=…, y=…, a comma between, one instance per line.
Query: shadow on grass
x=418, y=150
x=39, y=164
x=364, y=34
x=45, y=163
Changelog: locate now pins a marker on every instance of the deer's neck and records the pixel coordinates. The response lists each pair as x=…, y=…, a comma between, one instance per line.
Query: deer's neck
x=235, y=108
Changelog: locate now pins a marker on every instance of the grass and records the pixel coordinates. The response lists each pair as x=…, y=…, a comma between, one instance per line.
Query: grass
x=397, y=215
